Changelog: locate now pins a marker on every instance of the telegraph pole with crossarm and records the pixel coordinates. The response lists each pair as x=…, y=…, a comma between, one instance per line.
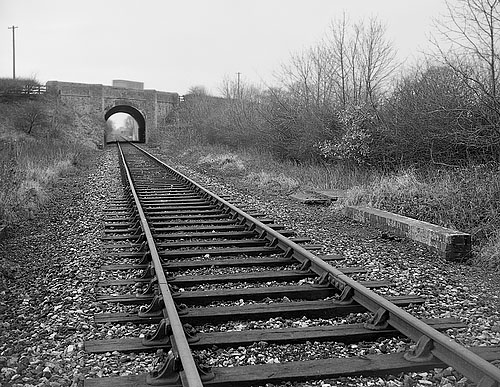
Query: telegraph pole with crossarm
x=13, y=28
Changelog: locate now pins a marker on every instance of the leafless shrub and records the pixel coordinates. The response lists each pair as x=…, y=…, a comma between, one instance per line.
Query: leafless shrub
x=32, y=116
x=468, y=45
x=9, y=85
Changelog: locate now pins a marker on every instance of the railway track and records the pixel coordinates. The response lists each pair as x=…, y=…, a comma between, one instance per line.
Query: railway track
x=208, y=275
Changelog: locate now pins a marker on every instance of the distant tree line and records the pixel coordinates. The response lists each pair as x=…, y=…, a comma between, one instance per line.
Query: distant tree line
x=347, y=99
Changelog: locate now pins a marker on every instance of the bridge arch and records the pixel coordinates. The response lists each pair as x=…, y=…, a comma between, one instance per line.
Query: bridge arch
x=149, y=107
x=136, y=114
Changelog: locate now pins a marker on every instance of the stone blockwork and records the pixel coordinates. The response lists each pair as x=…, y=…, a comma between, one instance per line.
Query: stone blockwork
x=450, y=244
x=154, y=106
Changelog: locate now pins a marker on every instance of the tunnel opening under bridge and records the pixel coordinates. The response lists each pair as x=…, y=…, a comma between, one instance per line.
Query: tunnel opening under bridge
x=133, y=130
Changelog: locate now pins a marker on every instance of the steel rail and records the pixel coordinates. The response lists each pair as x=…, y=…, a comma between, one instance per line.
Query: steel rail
x=190, y=377
x=441, y=346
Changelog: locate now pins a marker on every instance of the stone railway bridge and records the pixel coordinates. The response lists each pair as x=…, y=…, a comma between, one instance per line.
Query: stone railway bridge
x=148, y=107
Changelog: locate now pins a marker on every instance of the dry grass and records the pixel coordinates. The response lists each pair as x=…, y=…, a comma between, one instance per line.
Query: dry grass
x=488, y=255
x=465, y=199
x=255, y=162
x=227, y=163
x=259, y=168
x=272, y=181
x=27, y=167
x=31, y=159
x=327, y=176
x=8, y=84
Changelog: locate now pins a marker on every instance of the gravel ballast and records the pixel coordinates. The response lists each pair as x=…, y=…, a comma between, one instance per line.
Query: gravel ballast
x=47, y=297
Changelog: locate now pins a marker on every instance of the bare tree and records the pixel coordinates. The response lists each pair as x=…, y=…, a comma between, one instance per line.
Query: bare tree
x=364, y=60
x=377, y=61
x=351, y=66
x=32, y=115
x=338, y=43
x=243, y=112
x=353, y=61
x=469, y=44
x=320, y=86
x=198, y=90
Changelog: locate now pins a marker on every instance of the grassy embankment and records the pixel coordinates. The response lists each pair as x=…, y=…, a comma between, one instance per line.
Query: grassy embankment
x=39, y=141
x=465, y=198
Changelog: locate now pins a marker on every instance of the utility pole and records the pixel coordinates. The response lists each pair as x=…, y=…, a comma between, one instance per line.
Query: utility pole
x=13, y=28
x=238, y=85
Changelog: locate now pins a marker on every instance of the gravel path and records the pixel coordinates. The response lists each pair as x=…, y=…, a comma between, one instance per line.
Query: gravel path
x=47, y=293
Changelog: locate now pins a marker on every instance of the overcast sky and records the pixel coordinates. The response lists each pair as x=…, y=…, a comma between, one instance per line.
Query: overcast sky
x=171, y=45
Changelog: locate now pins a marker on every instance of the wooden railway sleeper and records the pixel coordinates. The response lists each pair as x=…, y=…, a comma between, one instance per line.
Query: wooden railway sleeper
x=155, y=308
x=151, y=289
x=127, y=212
x=136, y=228
x=168, y=373
x=288, y=253
x=127, y=193
x=323, y=281
x=140, y=239
x=174, y=290
x=162, y=332
x=161, y=335
x=143, y=246
x=273, y=242
x=124, y=207
x=146, y=258
x=421, y=352
x=132, y=230
x=251, y=227
x=326, y=280
x=379, y=320
x=129, y=200
x=129, y=219
x=305, y=267
x=182, y=309
x=148, y=272
x=346, y=297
